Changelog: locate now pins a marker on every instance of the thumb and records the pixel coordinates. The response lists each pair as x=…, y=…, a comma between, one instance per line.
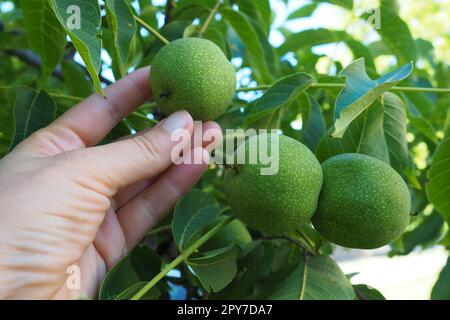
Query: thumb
x=144, y=155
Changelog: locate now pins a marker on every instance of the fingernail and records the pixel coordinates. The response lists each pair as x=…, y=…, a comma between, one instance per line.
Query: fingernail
x=176, y=121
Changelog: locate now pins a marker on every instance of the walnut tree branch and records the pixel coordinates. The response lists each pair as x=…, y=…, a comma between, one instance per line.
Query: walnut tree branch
x=33, y=60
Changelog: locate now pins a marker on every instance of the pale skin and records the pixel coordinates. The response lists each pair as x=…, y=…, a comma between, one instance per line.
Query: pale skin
x=65, y=201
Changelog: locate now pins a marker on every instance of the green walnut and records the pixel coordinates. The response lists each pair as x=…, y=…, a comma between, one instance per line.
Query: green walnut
x=234, y=232
x=364, y=203
x=193, y=74
x=280, y=202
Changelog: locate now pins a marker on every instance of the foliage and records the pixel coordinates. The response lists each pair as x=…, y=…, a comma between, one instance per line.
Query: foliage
x=46, y=67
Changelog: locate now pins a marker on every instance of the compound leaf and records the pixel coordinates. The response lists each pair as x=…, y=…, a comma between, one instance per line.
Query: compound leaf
x=360, y=92
x=82, y=21
x=123, y=27
x=44, y=33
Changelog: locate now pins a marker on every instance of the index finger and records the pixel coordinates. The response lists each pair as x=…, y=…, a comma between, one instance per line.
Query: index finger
x=92, y=119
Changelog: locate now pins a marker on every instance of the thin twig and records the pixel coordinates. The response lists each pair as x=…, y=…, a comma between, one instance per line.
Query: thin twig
x=306, y=238
x=341, y=85
x=159, y=230
x=143, y=117
x=152, y=30
x=33, y=60
x=210, y=17
x=293, y=241
x=64, y=96
x=182, y=257
x=318, y=244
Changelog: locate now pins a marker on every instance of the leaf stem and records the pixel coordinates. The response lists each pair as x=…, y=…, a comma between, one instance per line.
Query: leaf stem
x=64, y=96
x=161, y=229
x=257, y=88
x=341, y=85
x=143, y=117
x=183, y=256
x=293, y=241
x=210, y=17
x=52, y=94
x=152, y=30
x=306, y=238
x=422, y=89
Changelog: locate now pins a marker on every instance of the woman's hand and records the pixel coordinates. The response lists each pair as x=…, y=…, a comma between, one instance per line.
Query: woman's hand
x=65, y=202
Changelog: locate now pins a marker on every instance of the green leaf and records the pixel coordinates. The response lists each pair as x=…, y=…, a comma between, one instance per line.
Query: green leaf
x=217, y=268
x=396, y=35
x=191, y=11
x=426, y=233
x=441, y=289
x=395, y=131
x=438, y=179
x=423, y=126
x=123, y=27
x=285, y=254
x=217, y=37
x=316, y=37
x=315, y=278
x=419, y=101
x=271, y=60
x=378, y=48
x=140, y=265
x=364, y=292
x=255, y=263
x=139, y=122
x=391, y=5
x=127, y=294
x=192, y=214
x=259, y=10
x=33, y=110
x=171, y=31
x=254, y=50
x=314, y=126
x=281, y=93
x=447, y=124
x=364, y=135
x=119, y=131
x=44, y=33
x=13, y=41
x=360, y=92
x=304, y=11
x=83, y=25
x=75, y=79
x=148, y=13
